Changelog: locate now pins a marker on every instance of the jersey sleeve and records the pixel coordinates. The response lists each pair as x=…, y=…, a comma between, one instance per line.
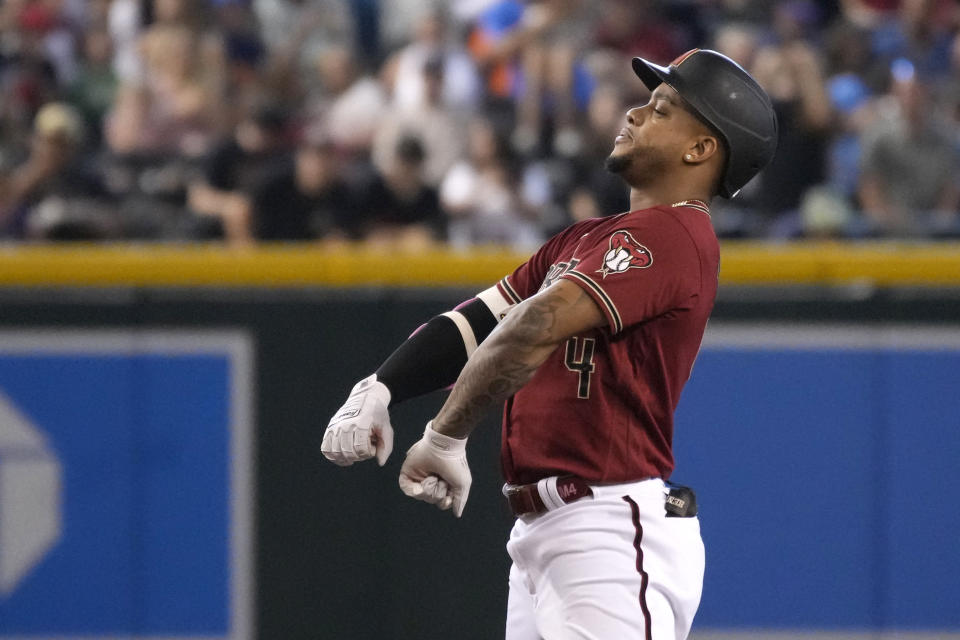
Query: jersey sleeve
x=639, y=271
x=526, y=279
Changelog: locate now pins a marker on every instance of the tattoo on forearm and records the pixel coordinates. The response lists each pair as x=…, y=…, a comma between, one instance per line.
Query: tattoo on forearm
x=503, y=363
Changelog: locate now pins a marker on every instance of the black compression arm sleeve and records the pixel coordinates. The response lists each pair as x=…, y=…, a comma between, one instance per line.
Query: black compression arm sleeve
x=433, y=357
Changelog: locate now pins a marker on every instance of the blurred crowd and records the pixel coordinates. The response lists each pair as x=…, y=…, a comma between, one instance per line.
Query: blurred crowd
x=412, y=122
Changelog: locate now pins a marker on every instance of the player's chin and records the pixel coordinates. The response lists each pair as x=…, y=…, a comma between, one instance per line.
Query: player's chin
x=618, y=161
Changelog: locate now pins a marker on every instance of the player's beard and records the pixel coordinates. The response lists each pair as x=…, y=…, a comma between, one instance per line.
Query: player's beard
x=619, y=164
x=640, y=166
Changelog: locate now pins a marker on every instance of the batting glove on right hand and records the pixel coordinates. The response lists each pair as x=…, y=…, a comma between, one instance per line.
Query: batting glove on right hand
x=361, y=428
x=436, y=471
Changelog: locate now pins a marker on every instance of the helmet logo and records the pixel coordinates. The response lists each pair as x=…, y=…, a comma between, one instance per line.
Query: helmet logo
x=624, y=253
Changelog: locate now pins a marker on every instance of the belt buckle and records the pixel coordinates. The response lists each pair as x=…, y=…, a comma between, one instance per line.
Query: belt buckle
x=519, y=498
x=511, y=489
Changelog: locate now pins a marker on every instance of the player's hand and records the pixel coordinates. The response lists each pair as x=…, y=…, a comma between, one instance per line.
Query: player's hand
x=436, y=471
x=361, y=428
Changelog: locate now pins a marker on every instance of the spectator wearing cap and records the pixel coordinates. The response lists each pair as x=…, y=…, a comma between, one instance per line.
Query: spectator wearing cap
x=49, y=195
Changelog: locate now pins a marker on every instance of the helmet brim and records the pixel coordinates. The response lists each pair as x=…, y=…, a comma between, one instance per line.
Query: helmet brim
x=652, y=75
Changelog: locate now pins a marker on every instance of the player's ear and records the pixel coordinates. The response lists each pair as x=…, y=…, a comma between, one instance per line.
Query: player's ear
x=701, y=149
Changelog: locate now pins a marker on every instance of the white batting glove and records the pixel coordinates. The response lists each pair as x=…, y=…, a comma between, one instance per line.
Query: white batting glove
x=436, y=471
x=361, y=428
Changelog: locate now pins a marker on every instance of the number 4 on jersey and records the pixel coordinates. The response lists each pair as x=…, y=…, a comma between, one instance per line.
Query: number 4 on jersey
x=582, y=365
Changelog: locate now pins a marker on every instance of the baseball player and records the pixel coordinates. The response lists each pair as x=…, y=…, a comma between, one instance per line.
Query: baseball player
x=589, y=344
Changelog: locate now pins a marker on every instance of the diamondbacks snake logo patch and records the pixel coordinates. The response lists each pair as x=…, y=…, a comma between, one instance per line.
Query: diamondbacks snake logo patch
x=624, y=253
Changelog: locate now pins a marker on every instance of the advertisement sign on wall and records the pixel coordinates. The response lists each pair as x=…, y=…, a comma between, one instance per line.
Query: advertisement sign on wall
x=126, y=478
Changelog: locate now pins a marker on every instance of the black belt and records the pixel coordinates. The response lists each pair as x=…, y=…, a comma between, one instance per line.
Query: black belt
x=525, y=499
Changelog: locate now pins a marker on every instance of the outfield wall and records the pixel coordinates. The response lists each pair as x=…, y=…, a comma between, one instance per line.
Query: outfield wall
x=820, y=429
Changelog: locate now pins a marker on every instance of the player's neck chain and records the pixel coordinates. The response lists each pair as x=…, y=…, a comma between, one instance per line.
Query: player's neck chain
x=699, y=205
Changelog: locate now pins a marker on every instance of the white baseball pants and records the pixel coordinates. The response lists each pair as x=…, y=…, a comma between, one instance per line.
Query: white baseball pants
x=607, y=567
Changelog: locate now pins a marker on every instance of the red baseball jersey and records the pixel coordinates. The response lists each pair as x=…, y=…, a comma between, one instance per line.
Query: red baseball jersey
x=601, y=407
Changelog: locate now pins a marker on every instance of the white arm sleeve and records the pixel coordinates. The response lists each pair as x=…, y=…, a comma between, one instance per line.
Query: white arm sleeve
x=498, y=305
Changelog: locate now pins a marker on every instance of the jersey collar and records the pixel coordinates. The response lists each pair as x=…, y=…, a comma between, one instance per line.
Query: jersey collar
x=699, y=205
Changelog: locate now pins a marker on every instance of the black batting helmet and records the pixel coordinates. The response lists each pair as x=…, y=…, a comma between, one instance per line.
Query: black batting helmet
x=724, y=95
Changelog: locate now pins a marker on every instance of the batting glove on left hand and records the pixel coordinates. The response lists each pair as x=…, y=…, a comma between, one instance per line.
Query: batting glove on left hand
x=361, y=428
x=436, y=471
